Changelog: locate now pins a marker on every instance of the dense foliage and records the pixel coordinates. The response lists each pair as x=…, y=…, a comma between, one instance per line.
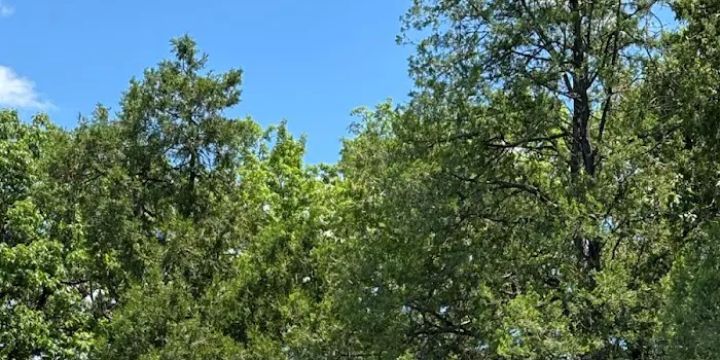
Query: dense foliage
x=549, y=191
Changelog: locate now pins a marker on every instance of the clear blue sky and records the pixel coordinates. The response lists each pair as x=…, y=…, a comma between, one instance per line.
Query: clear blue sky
x=310, y=62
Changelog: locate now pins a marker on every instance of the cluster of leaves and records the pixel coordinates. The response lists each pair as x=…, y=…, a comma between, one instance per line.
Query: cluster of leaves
x=169, y=232
x=549, y=192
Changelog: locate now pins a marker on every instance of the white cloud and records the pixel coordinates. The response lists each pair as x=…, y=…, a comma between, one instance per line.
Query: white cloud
x=5, y=9
x=16, y=91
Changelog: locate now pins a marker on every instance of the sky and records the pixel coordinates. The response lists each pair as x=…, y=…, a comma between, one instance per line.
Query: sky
x=308, y=62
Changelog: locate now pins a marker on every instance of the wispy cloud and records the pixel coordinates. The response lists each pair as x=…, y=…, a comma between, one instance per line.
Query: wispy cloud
x=5, y=9
x=19, y=92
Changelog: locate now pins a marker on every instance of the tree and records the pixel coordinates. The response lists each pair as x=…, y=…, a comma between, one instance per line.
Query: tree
x=219, y=221
x=509, y=214
x=548, y=192
x=43, y=312
x=174, y=121
x=685, y=87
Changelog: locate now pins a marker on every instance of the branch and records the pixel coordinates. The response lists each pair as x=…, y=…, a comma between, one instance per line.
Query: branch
x=613, y=62
x=504, y=184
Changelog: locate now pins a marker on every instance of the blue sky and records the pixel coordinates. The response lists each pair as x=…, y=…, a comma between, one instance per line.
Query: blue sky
x=310, y=62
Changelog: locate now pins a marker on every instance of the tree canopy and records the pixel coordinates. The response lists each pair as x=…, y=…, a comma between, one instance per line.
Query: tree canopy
x=549, y=191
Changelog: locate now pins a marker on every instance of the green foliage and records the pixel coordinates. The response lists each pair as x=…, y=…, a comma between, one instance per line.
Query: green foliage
x=548, y=192
x=169, y=232
x=42, y=308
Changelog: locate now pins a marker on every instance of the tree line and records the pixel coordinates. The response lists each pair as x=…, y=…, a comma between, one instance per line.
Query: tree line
x=549, y=191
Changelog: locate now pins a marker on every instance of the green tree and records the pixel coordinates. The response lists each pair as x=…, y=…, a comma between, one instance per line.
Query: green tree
x=520, y=205
x=549, y=192
x=43, y=311
x=211, y=222
x=685, y=89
